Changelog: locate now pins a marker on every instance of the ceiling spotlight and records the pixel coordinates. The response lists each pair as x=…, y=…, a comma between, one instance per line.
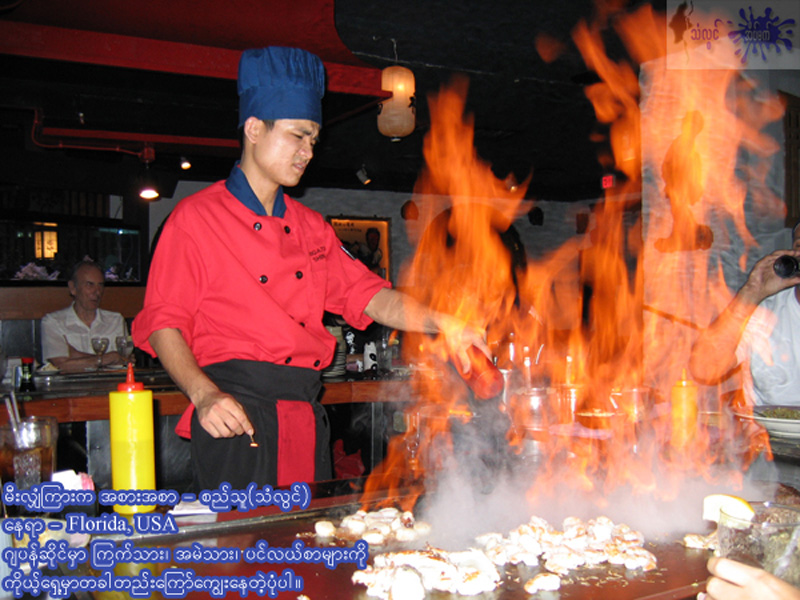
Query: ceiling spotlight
x=148, y=187
x=362, y=175
x=186, y=164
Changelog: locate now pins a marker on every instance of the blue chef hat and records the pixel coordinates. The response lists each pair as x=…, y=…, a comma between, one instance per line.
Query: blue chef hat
x=280, y=83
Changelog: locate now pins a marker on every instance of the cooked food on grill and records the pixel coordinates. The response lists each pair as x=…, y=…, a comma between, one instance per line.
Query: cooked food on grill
x=375, y=527
x=400, y=574
x=536, y=543
x=701, y=542
x=542, y=582
x=578, y=544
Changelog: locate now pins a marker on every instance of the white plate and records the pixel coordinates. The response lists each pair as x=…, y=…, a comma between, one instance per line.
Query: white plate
x=784, y=428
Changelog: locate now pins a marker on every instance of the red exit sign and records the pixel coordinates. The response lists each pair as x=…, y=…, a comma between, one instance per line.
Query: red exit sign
x=608, y=181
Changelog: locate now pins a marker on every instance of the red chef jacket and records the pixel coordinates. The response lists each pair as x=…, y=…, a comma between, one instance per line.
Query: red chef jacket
x=244, y=286
x=239, y=285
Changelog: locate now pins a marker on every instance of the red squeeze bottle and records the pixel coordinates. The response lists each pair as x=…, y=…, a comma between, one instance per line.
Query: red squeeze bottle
x=484, y=379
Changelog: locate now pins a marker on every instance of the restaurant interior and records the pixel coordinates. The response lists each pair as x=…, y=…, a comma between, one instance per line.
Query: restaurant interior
x=538, y=133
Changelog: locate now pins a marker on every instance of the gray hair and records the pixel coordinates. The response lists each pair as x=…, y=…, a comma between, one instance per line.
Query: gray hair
x=86, y=262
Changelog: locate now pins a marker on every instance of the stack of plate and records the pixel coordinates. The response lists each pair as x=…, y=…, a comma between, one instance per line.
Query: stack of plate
x=338, y=366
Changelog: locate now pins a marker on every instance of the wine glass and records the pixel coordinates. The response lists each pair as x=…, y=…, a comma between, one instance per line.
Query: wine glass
x=124, y=347
x=99, y=345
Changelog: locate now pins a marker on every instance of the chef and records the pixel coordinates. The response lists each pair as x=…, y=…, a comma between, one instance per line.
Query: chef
x=240, y=280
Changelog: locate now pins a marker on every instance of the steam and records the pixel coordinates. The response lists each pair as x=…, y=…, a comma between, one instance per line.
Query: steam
x=472, y=495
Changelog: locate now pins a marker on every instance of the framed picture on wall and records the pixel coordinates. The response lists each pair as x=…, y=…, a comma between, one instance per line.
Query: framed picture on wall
x=368, y=240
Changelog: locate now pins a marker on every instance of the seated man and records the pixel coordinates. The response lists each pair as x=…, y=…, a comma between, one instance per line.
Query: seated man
x=759, y=329
x=67, y=333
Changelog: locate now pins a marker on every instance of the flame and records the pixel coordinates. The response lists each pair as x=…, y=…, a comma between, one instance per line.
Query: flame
x=653, y=274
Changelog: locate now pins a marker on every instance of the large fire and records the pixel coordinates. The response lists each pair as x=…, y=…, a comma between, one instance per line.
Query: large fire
x=604, y=407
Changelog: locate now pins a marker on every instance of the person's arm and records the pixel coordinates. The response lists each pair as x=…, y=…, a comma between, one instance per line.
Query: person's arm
x=64, y=356
x=736, y=581
x=78, y=361
x=219, y=413
x=713, y=356
x=400, y=311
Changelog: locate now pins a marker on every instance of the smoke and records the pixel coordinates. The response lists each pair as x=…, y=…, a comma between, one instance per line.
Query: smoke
x=483, y=487
x=460, y=510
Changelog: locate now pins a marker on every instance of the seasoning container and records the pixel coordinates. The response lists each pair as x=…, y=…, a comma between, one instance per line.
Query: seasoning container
x=26, y=383
x=484, y=378
x=132, y=443
x=684, y=412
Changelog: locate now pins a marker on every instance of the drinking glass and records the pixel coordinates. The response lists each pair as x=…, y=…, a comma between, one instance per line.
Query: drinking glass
x=769, y=541
x=124, y=347
x=28, y=454
x=99, y=345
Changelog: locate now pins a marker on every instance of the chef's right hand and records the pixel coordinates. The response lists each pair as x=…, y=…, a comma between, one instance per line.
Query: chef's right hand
x=221, y=415
x=736, y=581
x=459, y=337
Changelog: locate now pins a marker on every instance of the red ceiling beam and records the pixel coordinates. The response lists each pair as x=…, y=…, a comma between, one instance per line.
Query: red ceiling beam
x=56, y=43
x=125, y=136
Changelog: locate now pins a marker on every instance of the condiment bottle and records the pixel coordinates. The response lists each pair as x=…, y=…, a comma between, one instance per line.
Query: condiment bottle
x=484, y=378
x=132, y=443
x=684, y=412
x=26, y=383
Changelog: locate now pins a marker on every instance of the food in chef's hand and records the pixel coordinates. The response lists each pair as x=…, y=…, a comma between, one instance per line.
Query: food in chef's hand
x=734, y=506
x=781, y=412
x=376, y=527
x=412, y=573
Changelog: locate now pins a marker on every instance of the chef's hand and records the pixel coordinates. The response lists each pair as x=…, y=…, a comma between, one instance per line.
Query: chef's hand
x=763, y=282
x=221, y=415
x=400, y=311
x=459, y=337
x=736, y=581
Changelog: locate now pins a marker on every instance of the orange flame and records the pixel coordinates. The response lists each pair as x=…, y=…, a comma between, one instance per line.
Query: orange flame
x=593, y=404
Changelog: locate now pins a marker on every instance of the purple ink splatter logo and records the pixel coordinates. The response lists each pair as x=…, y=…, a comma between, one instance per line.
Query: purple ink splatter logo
x=758, y=36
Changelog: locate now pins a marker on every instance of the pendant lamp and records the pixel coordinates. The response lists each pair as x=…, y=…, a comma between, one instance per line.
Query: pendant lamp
x=396, y=118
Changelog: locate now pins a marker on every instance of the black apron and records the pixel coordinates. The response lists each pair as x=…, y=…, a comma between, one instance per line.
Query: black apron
x=291, y=428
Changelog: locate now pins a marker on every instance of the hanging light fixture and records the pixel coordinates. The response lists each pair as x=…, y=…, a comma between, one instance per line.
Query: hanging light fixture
x=148, y=187
x=397, y=118
x=186, y=164
x=363, y=176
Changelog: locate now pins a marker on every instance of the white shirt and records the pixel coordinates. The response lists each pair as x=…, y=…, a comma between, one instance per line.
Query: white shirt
x=770, y=349
x=64, y=326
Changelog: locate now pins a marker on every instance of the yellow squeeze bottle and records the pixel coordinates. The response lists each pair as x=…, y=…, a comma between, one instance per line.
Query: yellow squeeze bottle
x=133, y=464
x=684, y=412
